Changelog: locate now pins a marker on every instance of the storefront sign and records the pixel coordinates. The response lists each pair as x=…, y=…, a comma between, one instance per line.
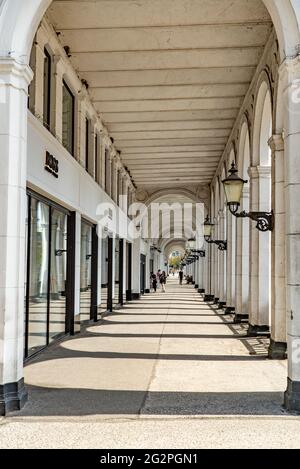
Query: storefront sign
x=51, y=164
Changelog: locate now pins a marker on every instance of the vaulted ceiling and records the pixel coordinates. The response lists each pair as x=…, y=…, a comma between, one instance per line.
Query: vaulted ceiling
x=167, y=76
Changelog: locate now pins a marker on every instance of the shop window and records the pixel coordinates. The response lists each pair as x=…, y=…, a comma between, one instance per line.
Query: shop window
x=87, y=145
x=68, y=119
x=47, y=89
x=46, y=274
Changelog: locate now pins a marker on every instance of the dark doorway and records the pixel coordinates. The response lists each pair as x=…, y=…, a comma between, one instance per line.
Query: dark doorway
x=129, y=272
x=143, y=274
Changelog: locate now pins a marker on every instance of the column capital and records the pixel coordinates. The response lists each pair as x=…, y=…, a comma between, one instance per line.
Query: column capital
x=246, y=193
x=289, y=70
x=276, y=143
x=221, y=214
x=12, y=73
x=259, y=172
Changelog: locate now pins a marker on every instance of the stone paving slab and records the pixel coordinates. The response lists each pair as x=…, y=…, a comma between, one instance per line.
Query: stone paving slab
x=166, y=371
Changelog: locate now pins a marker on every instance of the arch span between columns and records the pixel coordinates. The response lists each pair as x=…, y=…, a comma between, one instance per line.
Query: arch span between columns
x=19, y=21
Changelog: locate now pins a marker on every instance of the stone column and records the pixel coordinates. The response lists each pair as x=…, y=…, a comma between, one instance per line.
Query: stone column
x=222, y=258
x=147, y=269
x=260, y=246
x=290, y=82
x=201, y=267
x=212, y=269
x=207, y=273
x=278, y=345
x=230, y=263
x=136, y=269
x=14, y=82
x=242, y=262
x=196, y=269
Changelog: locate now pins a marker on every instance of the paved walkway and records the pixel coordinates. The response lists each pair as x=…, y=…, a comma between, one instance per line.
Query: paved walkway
x=166, y=371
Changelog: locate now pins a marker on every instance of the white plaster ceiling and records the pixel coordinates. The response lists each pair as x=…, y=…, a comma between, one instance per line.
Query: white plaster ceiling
x=167, y=76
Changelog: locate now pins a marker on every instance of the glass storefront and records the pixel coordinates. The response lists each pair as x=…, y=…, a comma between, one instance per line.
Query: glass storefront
x=58, y=274
x=85, y=271
x=116, y=299
x=128, y=271
x=46, y=274
x=104, y=275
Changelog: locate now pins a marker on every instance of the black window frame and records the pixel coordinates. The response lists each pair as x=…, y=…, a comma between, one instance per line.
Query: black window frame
x=96, y=157
x=87, y=143
x=69, y=314
x=47, y=98
x=107, y=173
x=71, y=151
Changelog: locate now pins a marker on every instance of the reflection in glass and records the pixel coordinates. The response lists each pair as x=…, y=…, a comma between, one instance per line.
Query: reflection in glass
x=58, y=274
x=38, y=288
x=68, y=108
x=85, y=271
x=116, y=301
x=104, y=275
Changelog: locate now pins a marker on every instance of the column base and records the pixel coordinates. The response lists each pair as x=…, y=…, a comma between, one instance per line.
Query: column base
x=147, y=290
x=256, y=331
x=13, y=396
x=222, y=304
x=239, y=318
x=196, y=286
x=136, y=296
x=277, y=350
x=128, y=295
x=229, y=310
x=292, y=396
x=77, y=325
x=208, y=298
x=201, y=291
x=216, y=301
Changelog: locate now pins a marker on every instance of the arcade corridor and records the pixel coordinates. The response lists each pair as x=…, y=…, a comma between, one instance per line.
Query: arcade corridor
x=126, y=381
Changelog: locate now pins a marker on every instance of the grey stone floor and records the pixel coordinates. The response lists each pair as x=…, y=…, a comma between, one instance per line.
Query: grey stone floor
x=166, y=371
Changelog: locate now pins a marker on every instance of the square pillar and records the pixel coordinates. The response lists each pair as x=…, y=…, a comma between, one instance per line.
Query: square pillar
x=242, y=263
x=278, y=345
x=14, y=82
x=222, y=258
x=260, y=252
x=289, y=73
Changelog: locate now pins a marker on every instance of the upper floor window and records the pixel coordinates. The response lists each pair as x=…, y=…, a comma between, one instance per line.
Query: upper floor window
x=107, y=171
x=47, y=89
x=96, y=153
x=87, y=144
x=68, y=119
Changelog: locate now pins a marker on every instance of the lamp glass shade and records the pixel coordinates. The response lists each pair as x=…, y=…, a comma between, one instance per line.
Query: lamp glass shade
x=233, y=186
x=233, y=190
x=208, y=229
x=191, y=244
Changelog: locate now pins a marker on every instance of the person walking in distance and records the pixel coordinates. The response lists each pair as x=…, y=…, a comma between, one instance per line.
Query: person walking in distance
x=180, y=277
x=154, y=282
x=158, y=276
x=163, y=281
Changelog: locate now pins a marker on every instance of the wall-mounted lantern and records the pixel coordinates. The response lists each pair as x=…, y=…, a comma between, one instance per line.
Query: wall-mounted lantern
x=191, y=246
x=208, y=228
x=233, y=187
